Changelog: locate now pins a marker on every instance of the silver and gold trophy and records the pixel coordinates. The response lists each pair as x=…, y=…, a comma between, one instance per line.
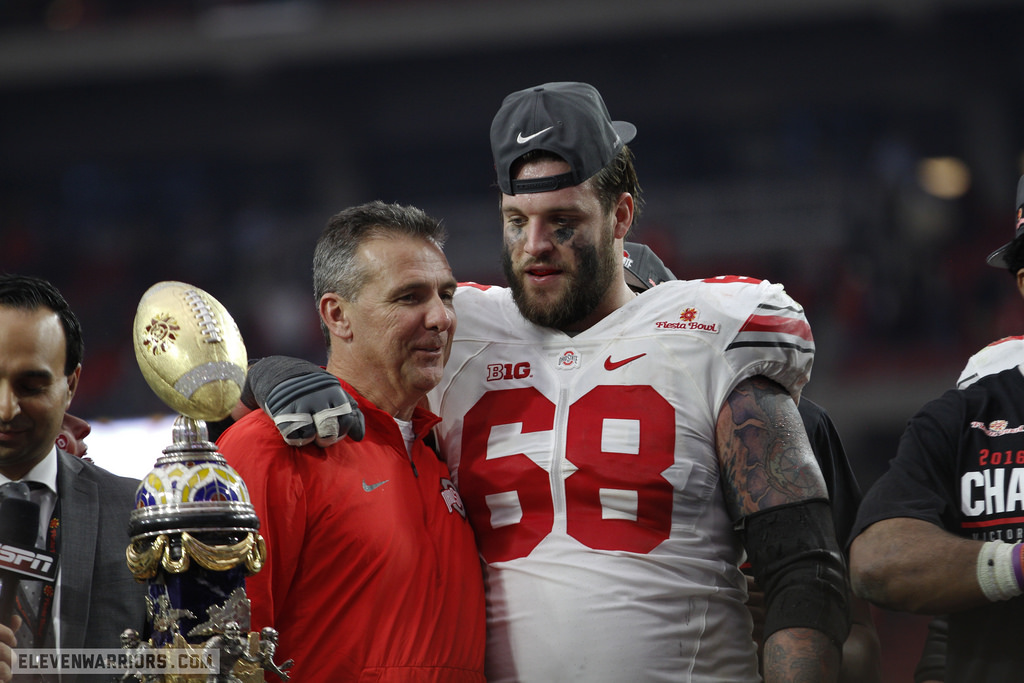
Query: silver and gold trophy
x=194, y=532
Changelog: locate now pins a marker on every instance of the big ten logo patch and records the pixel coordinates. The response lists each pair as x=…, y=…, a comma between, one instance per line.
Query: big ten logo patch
x=497, y=371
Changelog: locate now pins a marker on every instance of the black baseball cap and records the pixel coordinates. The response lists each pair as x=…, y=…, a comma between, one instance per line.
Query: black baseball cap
x=643, y=268
x=568, y=119
x=998, y=257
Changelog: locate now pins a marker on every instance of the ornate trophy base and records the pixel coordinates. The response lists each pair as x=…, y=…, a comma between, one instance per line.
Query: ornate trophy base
x=194, y=539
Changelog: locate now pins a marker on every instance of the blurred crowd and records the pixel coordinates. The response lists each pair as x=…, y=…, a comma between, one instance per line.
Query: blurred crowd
x=883, y=298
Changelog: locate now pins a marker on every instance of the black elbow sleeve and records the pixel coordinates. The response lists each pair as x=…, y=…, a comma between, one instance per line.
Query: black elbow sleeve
x=797, y=562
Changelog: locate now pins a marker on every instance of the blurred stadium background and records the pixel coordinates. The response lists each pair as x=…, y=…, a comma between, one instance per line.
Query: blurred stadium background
x=863, y=152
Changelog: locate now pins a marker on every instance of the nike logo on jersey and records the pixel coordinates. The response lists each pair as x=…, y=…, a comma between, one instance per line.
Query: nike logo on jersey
x=523, y=140
x=370, y=487
x=609, y=364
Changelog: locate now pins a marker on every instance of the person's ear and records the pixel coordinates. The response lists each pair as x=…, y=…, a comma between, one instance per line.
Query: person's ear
x=72, y=380
x=334, y=312
x=623, y=215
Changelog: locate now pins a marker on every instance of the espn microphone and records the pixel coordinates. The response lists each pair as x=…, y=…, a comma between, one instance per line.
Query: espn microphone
x=19, y=526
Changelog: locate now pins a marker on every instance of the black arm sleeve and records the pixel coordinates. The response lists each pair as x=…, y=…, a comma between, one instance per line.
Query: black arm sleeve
x=795, y=557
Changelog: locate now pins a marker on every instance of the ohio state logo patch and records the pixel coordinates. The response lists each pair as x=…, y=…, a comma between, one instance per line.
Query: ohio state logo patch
x=568, y=359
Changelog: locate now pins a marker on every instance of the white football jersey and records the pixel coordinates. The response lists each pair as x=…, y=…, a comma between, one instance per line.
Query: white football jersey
x=587, y=465
x=1000, y=355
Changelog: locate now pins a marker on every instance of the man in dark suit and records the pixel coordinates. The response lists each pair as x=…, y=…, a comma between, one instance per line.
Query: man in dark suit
x=83, y=508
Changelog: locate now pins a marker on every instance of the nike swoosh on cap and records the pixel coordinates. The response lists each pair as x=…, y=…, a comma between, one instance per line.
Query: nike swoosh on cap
x=523, y=140
x=609, y=364
x=370, y=487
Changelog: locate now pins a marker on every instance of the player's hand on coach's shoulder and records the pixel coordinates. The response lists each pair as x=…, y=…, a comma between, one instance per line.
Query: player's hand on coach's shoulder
x=305, y=401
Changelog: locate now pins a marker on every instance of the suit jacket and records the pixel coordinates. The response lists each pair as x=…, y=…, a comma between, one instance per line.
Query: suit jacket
x=99, y=597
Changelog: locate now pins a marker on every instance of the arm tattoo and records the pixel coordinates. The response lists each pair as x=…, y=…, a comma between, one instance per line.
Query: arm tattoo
x=765, y=457
x=800, y=655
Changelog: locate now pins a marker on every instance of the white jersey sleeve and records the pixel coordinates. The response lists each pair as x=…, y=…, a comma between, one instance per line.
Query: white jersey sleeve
x=1000, y=355
x=588, y=468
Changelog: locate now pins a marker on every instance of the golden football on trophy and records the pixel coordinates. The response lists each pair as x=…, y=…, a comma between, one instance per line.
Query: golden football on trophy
x=189, y=350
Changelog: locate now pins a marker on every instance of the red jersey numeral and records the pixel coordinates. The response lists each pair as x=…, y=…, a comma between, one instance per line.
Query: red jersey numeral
x=641, y=511
x=480, y=477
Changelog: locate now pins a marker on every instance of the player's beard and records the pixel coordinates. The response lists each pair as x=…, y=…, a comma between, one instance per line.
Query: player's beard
x=583, y=291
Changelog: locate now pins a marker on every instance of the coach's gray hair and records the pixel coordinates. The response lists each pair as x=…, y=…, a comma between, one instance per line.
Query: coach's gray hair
x=336, y=268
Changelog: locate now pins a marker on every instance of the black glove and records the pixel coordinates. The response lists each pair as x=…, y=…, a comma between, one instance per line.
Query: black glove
x=305, y=401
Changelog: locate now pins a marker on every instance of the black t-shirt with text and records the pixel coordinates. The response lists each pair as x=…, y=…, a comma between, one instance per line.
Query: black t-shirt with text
x=960, y=465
